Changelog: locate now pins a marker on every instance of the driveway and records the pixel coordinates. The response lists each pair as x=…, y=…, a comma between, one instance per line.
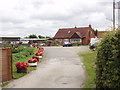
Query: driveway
x=60, y=68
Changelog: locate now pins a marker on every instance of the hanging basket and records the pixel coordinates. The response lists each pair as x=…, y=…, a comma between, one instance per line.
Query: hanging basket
x=21, y=70
x=33, y=64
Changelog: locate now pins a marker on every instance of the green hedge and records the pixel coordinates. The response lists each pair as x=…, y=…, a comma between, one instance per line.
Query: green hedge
x=108, y=61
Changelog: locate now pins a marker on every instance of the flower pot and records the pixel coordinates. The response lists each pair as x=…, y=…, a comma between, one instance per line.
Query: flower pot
x=32, y=64
x=21, y=70
x=40, y=57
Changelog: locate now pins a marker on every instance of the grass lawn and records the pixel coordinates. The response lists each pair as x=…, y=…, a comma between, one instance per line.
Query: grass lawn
x=89, y=59
x=29, y=69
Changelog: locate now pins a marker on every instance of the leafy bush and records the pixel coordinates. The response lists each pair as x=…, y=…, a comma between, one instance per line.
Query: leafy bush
x=16, y=49
x=108, y=61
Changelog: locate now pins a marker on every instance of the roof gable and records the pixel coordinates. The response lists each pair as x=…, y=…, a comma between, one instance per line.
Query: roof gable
x=76, y=35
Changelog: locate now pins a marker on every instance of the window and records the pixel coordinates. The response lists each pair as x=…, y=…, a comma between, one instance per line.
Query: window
x=76, y=40
x=59, y=40
x=66, y=40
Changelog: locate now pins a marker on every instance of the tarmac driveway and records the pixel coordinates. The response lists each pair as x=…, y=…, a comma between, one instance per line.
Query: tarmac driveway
x=60, y=68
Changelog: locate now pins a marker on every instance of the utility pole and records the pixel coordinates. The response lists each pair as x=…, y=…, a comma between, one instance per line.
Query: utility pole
x=118, y=15
x=113, y=14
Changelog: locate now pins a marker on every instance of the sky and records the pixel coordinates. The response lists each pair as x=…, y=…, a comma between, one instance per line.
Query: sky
x=45, y=17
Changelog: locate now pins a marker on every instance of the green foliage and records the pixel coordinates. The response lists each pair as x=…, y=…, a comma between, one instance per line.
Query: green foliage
x=6, y=44
x=77, y=44
x=95, y=32
x=108, y=61
x=40, y=36
x=32, y=36
x=16, y=49
x=47, y=37
x=22, y=52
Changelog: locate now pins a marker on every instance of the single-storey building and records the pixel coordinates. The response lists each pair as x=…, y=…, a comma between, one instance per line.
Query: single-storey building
x=9, y=39
x=12, y=40
x=81, y=35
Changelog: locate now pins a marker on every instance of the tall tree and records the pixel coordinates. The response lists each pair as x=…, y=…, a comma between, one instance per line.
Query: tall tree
x=32, y=36
x=40, y=36
x=95, y=32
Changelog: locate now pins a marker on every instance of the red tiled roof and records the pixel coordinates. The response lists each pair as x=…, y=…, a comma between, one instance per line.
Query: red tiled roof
x=68, y=32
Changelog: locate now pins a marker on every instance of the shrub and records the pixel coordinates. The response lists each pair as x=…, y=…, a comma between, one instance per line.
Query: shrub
x=108, y=61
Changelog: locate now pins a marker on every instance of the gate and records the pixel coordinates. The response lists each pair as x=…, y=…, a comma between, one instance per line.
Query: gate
x=5, y=64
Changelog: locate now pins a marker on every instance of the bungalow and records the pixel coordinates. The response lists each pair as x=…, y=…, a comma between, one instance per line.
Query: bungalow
x=81, y=35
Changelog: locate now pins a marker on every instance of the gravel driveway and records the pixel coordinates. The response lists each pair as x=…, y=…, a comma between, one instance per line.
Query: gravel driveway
x=60, y=68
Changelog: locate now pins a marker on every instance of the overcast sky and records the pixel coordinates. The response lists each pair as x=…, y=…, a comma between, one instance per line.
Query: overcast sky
x=45, y=17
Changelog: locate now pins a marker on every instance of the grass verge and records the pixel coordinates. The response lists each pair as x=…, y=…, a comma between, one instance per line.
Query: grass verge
x=89, y=59
x=4, y=84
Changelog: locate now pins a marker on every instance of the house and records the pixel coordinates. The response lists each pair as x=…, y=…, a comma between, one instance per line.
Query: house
x=75, y=35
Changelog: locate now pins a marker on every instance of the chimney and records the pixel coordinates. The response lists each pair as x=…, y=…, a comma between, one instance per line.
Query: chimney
x=90, y=26
x=75, y=27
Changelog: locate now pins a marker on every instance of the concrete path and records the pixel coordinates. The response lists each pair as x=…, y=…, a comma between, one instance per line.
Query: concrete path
x=60, y=68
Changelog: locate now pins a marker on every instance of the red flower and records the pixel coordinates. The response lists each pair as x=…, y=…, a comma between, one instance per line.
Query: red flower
x=40, y=50
x=36, y=54
x=35, y=57
x=39, y=54
x=35, y=60
x=32, y=60
x=21, y=65
x=24, y=64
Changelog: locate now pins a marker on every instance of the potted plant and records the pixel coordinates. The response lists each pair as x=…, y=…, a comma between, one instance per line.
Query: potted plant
x=32, y=62
x=35, y=57
x=39, y=54
x=21, y=67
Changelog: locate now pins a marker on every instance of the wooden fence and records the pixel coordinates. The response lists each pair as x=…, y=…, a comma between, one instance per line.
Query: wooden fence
x=5, y=64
